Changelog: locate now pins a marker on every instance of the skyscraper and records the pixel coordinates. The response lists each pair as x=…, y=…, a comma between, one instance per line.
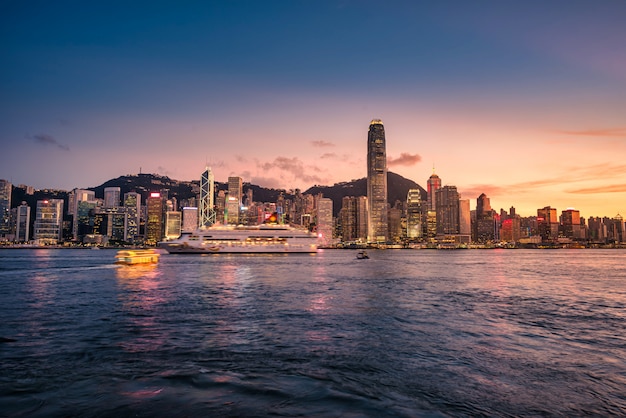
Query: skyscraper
x=433, y=184
x=132, y=203
x=112, y=197
x=207, y=194
x=325, y=220
x=22, y=224
x=235, y=185
x=5, y=207
x=447, y=203
x=377, y=182
x=49, y=221
x=154, y=224
x=414, y=214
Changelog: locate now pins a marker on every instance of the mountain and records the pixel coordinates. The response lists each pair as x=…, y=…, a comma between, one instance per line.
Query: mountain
x=144, y=184
x=397, y=189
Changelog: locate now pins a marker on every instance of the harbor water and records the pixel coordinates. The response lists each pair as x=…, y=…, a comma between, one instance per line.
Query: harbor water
x=407, y=333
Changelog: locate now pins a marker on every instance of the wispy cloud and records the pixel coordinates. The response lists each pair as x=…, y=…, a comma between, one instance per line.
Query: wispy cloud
x=475, y=190
x=295, y=167
x=405, y=159
x=45, y=139
x=612, y=188
x=328, y=155
x=606, y=132
x=322, y=144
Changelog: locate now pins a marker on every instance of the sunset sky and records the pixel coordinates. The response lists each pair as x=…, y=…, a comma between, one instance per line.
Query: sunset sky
x=524, y=101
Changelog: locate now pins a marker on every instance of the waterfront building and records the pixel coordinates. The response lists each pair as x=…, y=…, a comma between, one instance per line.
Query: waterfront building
x=79, y=211
x=110, y=223
x=485, y=223
x=49, y=222
x=233, y=203
x=570, y=224
x=377, y=182
x=173, y=224
x=510, y=229
x=112, y=197
x=433, y=184
x=414, y=215
x=5, y=208
x=22, y=224
x=325, y=220
x=220, y=207
x=547, y=224
x=447, y=205
x=155, y=213
x=395, y=231
x=353, y=218
x=465, y=222
x=132, y=204
x=207, y=196
x=190, y=219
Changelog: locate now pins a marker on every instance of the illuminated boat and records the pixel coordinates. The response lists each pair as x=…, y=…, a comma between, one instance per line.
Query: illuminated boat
x=129, y=257
x=226, y=239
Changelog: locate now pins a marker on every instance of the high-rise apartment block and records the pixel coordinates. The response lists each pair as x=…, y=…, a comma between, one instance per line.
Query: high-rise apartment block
x=377, y=182
x=325, y=225
x=447, y=204
x=548, y=224
x=132, y=205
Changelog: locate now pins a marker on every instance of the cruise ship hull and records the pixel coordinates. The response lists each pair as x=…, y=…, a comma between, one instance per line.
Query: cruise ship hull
x=243, y=240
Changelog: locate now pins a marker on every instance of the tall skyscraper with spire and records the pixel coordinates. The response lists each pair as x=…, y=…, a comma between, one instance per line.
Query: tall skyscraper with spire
x=377, y=182
x=207, y=194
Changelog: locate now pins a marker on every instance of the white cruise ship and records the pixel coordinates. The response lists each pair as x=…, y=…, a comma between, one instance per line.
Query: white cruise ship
x=266, y=238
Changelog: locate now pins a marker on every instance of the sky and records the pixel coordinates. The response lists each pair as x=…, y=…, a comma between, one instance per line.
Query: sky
x=523, y=101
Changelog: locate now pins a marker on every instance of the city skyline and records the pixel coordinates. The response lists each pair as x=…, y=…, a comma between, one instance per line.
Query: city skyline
x=522, y=102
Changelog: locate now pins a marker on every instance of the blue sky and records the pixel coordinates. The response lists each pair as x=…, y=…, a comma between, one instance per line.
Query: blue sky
x=510, y=99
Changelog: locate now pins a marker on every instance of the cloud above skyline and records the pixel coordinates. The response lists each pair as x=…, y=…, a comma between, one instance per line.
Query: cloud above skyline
x=45, y=139
x=404, y=159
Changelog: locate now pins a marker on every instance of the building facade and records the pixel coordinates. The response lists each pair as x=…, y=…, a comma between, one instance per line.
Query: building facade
x=49, y=222
x=207, y=196
x=233, y=201
x=5, y=208
x=377, y=182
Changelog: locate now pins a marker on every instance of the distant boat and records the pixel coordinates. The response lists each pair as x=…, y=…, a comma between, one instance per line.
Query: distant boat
x=362, y=255
x=130, y=257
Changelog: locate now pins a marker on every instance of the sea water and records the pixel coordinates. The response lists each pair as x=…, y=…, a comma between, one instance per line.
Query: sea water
x=404, y=333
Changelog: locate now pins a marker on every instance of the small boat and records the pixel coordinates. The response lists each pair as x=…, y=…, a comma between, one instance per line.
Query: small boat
x=129, y=257
x=362, y=255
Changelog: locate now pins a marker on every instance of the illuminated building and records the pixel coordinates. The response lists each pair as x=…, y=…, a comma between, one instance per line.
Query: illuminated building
x=394, y=224
x=484, y=225
x=154, y=223
x=233, y=201
x=377, y=182
x=22, y=224
x=353, y=218
x=207, y=194
x=49, y=221
x=80, y=202
x=111, y=197
x=325, y=220
x=5, y=208
x=414, y=215
x=447, y=204
x=220, y=205
x=190, y=219
x=433, y=184
x=132, y=204
x=547, y=224
x=172, y=224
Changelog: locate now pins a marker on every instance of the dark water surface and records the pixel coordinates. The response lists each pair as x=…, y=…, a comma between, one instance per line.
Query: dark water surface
x=405, y=333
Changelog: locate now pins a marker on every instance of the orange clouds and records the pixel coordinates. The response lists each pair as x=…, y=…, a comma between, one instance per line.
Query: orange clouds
x=607, y=132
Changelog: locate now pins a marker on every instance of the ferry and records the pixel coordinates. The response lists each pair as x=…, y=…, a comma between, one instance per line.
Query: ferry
x=226, y=239
x=130, y=257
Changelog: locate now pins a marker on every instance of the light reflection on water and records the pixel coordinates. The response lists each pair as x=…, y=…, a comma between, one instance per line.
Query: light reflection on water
x=405, y=333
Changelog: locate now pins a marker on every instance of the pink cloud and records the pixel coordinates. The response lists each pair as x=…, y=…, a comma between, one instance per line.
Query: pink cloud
x=322, y=144
x=404, y=159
